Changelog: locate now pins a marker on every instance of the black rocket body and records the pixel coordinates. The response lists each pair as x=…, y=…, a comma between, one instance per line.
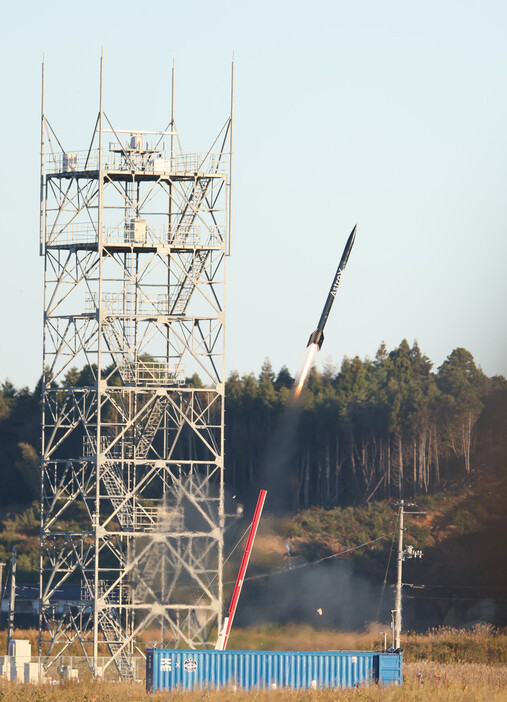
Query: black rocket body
x=317, y=337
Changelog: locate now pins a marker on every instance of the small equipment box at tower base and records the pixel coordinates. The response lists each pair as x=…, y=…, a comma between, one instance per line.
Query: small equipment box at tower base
x=177, y=669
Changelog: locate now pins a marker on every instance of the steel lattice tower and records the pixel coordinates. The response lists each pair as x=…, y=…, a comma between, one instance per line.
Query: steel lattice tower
x=134, y=234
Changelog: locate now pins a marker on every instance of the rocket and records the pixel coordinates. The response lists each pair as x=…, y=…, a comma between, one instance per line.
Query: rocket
x=317, y=337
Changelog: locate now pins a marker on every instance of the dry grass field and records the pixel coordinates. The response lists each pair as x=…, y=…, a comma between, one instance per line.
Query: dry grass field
x=440, y=666
x=437, y=683
x=482, y=644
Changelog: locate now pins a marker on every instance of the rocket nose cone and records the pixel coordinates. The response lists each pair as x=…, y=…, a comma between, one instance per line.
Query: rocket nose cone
x=350, y=242
x=348, y=247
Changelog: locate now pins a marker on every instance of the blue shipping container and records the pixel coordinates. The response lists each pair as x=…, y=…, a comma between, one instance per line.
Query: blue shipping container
x=168, y=669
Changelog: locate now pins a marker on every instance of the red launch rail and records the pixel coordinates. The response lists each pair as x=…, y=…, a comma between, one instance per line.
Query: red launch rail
x=227, y=625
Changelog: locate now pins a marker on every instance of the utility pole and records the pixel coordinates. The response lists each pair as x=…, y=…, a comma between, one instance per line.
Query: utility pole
x=2, y=566
x=409, y=552
x=399, y=561
x=12, y=601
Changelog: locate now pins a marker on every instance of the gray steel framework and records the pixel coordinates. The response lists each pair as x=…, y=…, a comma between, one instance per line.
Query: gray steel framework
x=134, y=234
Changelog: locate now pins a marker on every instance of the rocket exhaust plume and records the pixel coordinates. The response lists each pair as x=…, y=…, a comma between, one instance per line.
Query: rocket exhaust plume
x=317, y=337
x=305, y=371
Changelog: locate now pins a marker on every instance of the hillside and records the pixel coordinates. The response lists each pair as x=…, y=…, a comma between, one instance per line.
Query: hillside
x=461, y=579
x=299, y=566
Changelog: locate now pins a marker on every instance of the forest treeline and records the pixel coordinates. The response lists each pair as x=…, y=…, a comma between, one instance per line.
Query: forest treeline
x=384, y=427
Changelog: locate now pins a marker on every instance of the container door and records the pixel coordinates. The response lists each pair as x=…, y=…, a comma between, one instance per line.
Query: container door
x=390, y=668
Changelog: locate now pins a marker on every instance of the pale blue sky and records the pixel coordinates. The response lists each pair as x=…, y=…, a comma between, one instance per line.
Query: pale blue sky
x=392, y=115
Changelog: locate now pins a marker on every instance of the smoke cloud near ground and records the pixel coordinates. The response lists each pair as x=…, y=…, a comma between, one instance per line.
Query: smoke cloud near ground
x=327, y=595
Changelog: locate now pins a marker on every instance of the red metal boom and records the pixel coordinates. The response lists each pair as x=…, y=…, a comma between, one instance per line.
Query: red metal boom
x=226, y=629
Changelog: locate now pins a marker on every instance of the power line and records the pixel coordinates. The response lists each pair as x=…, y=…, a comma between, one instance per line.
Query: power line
x=445, y=597
x=455, y=587
x=284, y=571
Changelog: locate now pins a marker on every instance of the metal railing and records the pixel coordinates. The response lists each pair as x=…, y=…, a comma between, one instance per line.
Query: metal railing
x=154, y=373
x=145, y=518
x=160, y=519
x=177, y=235
x=128, y=160
x=73, y=233
x=119, y=450
x=70, y=668
x=126, y=304
x=112, y=598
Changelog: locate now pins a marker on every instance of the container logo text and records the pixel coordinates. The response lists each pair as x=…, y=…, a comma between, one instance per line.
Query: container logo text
x=166, y=665
x=190, y=665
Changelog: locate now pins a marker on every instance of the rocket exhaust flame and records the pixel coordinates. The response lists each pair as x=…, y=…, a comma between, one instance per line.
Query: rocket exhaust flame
x=306, y=369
